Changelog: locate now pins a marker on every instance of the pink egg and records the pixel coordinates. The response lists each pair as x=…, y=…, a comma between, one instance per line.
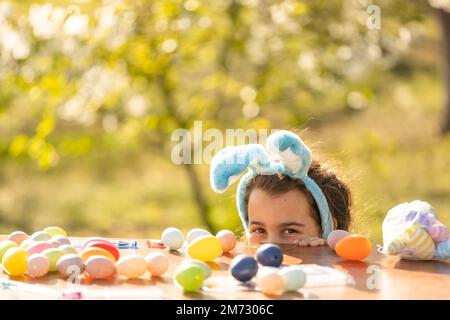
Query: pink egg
x=18, y=236
x=157, y=263
x=438, y=232
x=38, y=247
x=38, y=265
x=227, y=240
x=335, y=236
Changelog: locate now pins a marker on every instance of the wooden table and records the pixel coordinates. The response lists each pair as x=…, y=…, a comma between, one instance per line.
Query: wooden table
x=398, y=279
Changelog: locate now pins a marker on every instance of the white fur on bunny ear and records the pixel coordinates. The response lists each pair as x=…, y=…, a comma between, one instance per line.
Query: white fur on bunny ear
x=230, y=163
x=289, y=150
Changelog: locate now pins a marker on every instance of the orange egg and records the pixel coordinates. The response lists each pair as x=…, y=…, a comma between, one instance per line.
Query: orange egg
x=354, y=247
x=94, y=251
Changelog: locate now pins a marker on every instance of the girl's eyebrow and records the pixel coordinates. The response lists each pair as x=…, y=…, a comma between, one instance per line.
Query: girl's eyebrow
x=257, y=222
x=293, y=223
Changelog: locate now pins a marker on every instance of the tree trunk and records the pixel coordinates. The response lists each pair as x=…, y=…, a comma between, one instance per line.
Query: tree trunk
x=444, y=22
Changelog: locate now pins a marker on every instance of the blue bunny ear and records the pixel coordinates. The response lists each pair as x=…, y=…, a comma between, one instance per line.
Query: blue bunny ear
x=230, y=163
x=289, y=150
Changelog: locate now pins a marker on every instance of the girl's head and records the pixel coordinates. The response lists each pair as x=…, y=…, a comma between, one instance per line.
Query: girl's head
x=280, y=209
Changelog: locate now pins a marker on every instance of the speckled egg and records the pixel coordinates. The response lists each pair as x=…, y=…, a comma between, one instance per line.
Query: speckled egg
x=269, y=281
x=195, y=233
x=53, y=255
x=18, y=236
x=15, y=261
x=94, y=251
x=294, y=278
x=38, y=247
x=157, y=263
x=70, y=264
x=205, y=248
x=40, y=236
x=5, y=246
x=172, y=238
x=227, y=240
x=53, y=231
x=189, y=277
x=99, y=267
x=269, y=255
x=38, y=265
x=335, y=236
x=132, y=266
x=354, y=248
x=68, y=249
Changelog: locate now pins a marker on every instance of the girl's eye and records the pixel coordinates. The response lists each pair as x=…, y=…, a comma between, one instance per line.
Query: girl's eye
x=290, y=231
x=259, y=231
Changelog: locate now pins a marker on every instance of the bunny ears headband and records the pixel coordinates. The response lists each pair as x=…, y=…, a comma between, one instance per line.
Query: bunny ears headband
x=285, y=153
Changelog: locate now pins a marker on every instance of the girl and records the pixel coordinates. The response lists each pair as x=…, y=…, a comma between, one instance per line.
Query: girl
x=285, y=197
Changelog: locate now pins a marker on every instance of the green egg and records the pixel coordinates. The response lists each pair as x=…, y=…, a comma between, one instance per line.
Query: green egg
x=203, y=265
x=5, y=245
x=40, y=236
x=189, y=277
x=53, y=256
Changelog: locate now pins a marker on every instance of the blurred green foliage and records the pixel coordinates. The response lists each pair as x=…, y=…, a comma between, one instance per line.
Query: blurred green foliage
x=90, y=92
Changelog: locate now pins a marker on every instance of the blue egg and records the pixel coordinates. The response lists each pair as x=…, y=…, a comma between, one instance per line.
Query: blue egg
x=243, y=267
x=269, y=255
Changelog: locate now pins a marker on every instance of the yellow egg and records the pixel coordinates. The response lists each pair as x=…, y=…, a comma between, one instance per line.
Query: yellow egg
x=15, y=261
x=205, y=248
x=5, y=246
x=54, y=231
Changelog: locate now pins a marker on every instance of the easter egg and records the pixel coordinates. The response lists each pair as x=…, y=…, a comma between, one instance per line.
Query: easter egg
x=62, y=239
x=132, y=266
x=269, y=281
x=335, y=236
x=189, y=277
x=294, y=278
x=38, y=247
x=37, y=265
x=68, y=249
x=204, y=266
x=172, y=238
x=53, y=231
x=205, y=248
x=27, y=243
x=227, y=240
x=40, y=236
x=243, y=267
x=195, y=233
x=354, y=248
x=53, y=255
x=15, y=261
x=94, y=251
x=5, y=246
x=105, y=246
x=70, y=264
x=269, y=255
x=54, y=243
x=92, y=239
x=438, y=232
x=157, y=263
x=18, y=236
x=99, y=267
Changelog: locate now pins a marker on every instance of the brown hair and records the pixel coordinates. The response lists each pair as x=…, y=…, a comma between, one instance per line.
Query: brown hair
x=336, y=192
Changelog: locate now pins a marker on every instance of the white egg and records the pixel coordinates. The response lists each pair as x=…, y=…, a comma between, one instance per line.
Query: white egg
x=157, y=263
x=294, y=278
x=196, y=233
x=269, y=281
x=172, y=238
x=132, y=266
x=335, y=236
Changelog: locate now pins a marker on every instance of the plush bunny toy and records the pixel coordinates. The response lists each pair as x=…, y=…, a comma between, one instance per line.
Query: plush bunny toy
x=284, y=153
x=412, y=231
